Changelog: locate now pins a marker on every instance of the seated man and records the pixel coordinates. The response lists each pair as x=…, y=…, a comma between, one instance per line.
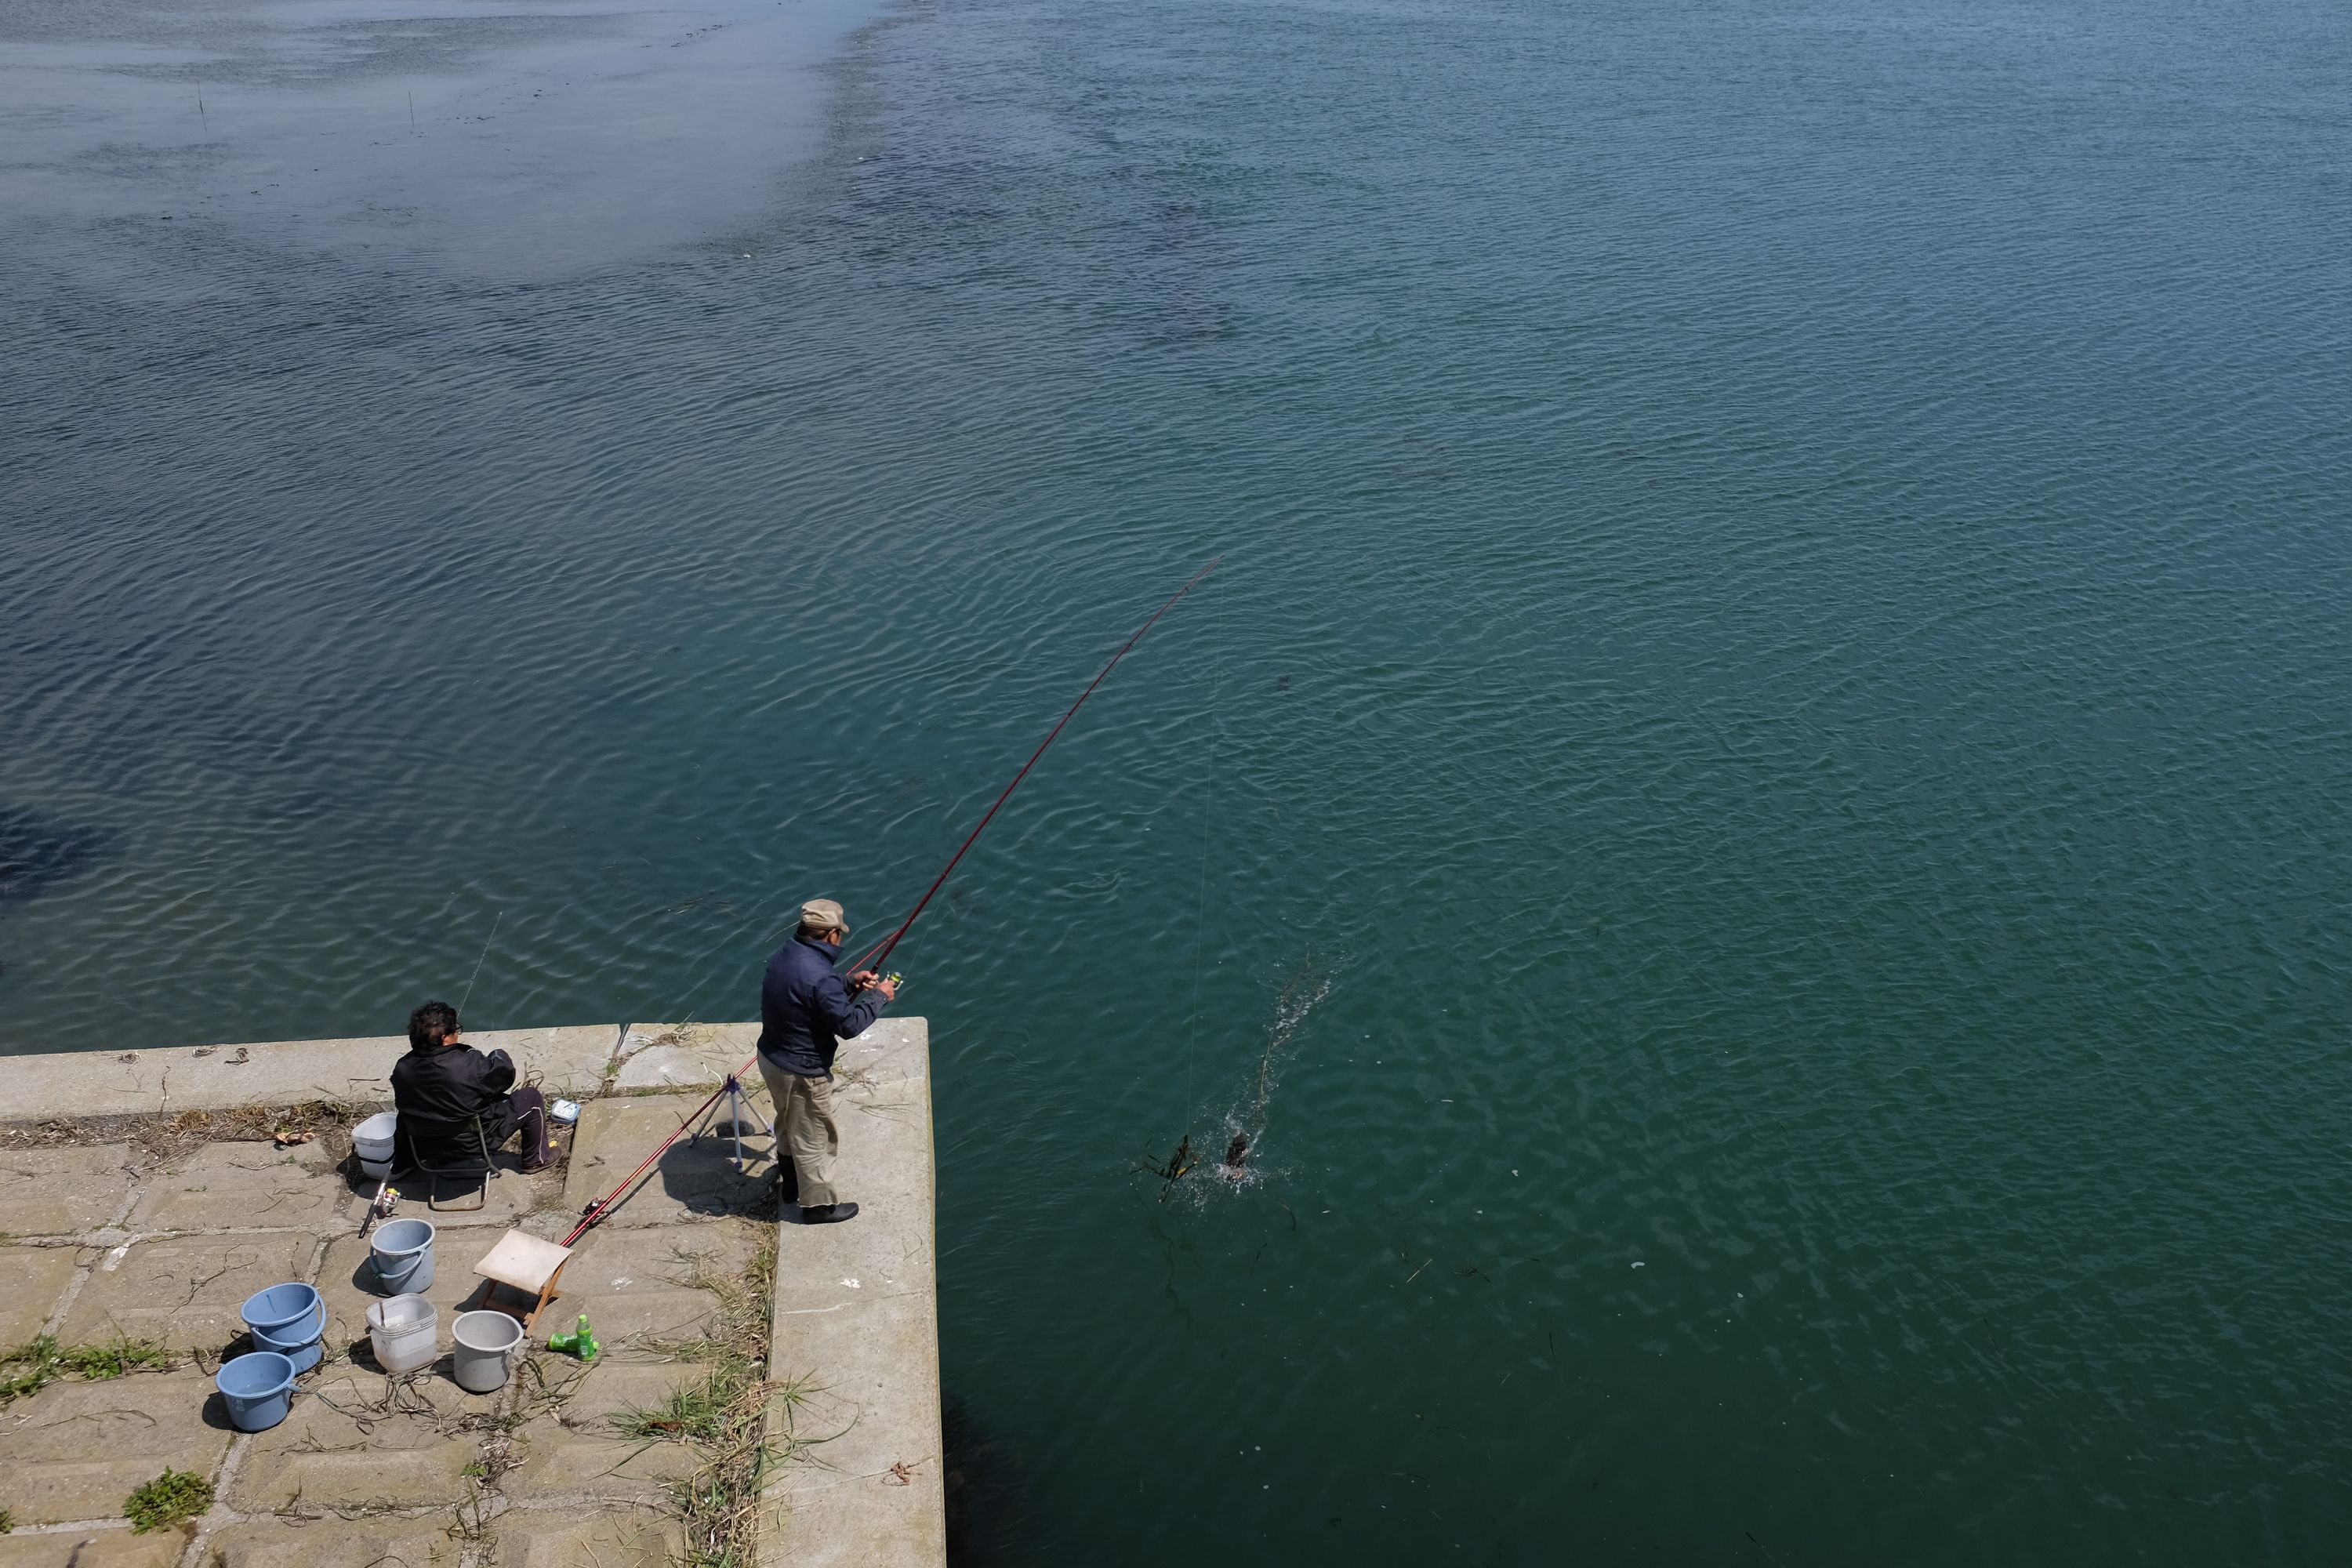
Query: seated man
x=442, y=1081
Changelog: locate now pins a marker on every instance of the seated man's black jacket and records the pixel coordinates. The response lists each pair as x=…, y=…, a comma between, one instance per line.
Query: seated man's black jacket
x=436, y=1088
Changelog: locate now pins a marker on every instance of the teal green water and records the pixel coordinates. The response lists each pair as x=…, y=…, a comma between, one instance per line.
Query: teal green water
x=1755, y=820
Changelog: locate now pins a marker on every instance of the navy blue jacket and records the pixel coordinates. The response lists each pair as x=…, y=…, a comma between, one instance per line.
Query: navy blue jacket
x=805, y=1008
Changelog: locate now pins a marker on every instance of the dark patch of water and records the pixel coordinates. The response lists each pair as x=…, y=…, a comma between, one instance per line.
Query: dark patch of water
x=37, y=854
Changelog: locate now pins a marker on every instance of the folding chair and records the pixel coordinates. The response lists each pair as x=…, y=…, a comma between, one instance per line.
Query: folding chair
x=478, y=1177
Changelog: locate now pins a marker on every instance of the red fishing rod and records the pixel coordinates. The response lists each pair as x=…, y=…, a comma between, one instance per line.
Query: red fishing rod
x=598, y=1209
x=875, y=957
x=882, y=950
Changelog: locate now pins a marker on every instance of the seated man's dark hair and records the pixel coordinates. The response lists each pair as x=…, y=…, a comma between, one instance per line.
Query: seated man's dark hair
x=432, y=1024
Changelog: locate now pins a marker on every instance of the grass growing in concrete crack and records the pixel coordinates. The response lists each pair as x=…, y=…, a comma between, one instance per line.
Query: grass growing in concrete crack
x=33, y=1366
x=471, y=1514
x=697, y=1413
x=724, y=1419
x=164, y=1136
x=168, y=1499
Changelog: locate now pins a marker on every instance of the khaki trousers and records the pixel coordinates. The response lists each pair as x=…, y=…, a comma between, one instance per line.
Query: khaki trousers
x=805, y=1128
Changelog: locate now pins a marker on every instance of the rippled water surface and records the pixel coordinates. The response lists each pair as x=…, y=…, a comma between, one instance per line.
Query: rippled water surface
x=1754, y=823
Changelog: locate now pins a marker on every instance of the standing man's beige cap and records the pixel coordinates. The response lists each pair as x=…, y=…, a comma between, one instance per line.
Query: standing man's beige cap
x=822, y=914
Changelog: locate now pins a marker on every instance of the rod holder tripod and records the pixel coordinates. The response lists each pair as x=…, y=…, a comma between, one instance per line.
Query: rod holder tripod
x=738, y=1106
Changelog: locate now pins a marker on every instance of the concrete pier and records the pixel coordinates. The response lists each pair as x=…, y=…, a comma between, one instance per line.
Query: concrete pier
x=103, y=1241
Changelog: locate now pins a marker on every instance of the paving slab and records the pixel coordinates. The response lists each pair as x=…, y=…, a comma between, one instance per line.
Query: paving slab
x=245, y=1185
x=561, y=1538
x=184, y=1290
x=334, y=1543
x=855, y=1306
x=94, y=1549
x=76, y=1449
x=697, y=1179
x=345, y=1446
x=568, y=1060
x=641, y=1318
x=579, y=1447
x=62, y=1192
x=590, y=1401
x=687, y=1056
x=636, y=1286
x=33, y=1281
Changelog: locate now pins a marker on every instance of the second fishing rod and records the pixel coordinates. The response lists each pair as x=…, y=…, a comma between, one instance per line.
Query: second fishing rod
x=879, y=954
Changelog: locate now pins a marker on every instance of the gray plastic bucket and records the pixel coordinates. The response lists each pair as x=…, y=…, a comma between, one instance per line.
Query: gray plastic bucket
x=403, y=1251
x=485, y=1342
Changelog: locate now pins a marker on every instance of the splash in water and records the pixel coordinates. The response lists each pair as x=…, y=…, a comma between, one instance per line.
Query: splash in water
x=1299, y=993
x=1302, y=990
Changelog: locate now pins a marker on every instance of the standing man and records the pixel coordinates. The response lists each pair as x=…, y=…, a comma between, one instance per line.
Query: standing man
x=805, y=1012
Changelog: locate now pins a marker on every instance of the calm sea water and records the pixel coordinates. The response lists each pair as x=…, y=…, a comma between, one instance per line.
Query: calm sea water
x=1755, y=822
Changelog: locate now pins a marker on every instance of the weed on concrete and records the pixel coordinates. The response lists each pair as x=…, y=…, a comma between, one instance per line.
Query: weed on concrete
x=33, y=1366
x=173, y=1134
x=168, y=1499
x=724, y=1419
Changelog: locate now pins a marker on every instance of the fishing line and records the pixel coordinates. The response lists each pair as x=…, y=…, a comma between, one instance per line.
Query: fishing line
x=477, y=963
x=1201, y=907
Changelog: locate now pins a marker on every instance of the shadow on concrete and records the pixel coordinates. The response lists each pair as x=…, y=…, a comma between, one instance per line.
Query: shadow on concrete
x=699, y=1175
x=412, y=1184
x=360, y=1182
x=362, y=1353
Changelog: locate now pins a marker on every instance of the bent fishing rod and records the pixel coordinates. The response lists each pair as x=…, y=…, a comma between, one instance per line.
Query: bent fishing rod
x=882, y=950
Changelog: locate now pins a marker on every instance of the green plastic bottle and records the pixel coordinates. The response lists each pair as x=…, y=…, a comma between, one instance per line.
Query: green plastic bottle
x=580, y=1342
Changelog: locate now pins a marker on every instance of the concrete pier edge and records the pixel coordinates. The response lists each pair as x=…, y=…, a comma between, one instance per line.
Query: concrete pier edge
x=854, y=1306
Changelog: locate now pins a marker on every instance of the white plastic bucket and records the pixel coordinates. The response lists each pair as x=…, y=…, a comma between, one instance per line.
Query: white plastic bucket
x=485, y=1343
x=372, y=1143
x=405, y=1332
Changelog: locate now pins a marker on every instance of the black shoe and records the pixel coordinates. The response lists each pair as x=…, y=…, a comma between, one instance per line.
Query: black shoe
x=828, y=1214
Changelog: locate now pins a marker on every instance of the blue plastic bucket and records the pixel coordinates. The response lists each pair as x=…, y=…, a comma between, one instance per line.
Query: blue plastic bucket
x=403, y=1252
x=305, y=1357
x=281, y=1308
x=303, y=1331
x=257, y=1388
